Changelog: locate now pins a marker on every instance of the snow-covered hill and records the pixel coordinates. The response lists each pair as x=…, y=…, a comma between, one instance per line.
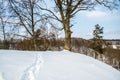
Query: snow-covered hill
x=53, y=65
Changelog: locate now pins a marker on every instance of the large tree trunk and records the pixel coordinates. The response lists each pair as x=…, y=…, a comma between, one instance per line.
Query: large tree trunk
x=35, y=44
x=67, y=43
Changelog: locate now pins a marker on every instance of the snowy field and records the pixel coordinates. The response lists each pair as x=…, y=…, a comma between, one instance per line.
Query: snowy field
x=53, y=65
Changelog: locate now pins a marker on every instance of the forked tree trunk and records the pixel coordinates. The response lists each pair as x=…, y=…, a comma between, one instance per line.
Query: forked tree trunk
x=67, y=43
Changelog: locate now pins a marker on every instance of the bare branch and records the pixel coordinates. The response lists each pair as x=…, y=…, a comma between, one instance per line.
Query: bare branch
x=109, y=4
x=22, y=36
x=76, y=5
x=19, y=17
x=50, y=12
x=60, y=7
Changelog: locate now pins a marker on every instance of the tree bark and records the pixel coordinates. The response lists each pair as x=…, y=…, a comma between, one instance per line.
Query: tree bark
x=3, y=30
x=35, y=44
x=67, y=42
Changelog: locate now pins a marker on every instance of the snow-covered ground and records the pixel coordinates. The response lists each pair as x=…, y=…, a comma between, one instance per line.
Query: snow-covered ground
x=53, y=65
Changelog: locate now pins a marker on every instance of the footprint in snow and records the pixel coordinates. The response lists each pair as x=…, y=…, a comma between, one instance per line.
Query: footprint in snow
x=31, y=72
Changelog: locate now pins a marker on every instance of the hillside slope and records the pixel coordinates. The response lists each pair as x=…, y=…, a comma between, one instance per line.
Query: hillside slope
x=53, y=65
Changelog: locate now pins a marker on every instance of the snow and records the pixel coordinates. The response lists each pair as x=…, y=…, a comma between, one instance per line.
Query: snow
x=114, y=46
x=33, y=70
x=53, y=65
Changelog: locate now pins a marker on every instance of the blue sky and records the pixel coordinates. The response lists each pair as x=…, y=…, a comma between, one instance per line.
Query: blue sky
x=85, y=21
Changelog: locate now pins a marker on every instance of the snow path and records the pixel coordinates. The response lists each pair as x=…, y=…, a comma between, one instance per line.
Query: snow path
x=31, y=72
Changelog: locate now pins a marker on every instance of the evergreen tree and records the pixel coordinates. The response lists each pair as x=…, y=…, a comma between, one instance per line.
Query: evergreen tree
x=98, y=38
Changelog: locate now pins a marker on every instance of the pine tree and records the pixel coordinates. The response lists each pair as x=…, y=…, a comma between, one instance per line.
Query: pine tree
x=98, y=38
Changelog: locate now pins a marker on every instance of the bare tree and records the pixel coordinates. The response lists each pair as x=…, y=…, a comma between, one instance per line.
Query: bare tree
x=69, y=8
x=2, y=28
x=28, y=15
x=3, y=19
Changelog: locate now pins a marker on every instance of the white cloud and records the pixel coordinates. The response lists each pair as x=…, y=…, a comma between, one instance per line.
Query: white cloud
x=95, y=14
